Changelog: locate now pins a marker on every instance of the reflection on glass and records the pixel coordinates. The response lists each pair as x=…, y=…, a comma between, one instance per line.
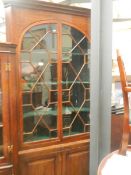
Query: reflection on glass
x=39, y=82
x=75, y=81
x=40, y=37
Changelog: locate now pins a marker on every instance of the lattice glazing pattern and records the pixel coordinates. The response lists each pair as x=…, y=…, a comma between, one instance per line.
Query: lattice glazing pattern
x=39, y=82
x=41, y=68
x=75, y=78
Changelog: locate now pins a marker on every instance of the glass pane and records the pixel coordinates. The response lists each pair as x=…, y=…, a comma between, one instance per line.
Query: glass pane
x=39, y=83
x=41, y=37
x=75, y=81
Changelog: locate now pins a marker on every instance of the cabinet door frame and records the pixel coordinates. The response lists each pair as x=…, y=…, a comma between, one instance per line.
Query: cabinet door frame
x=6, y=159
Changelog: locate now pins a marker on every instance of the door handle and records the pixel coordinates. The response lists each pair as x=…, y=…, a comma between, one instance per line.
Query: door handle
x=10, y=148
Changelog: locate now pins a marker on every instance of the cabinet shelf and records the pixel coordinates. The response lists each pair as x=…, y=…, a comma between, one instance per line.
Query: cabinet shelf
x=69, y=110
x=68, y=133
x=28, y=86
x=36, y=138
x=55, y=83
x=50, y=112
x=77, y=82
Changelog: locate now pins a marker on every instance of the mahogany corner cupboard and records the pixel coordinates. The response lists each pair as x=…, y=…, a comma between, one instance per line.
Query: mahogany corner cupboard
x=45, y=90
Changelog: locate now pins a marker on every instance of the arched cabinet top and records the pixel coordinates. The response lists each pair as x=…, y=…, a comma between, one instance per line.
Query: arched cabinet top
x=22, y=14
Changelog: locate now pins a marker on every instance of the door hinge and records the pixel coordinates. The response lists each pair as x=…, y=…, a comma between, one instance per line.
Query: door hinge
x=10, y=148
x=8, y=67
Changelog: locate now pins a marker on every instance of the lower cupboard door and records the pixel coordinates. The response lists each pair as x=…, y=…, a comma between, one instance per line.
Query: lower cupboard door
x=76, y=162
x=40, y=165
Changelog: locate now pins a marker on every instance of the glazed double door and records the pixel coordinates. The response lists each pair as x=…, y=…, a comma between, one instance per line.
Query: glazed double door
x=54, y=83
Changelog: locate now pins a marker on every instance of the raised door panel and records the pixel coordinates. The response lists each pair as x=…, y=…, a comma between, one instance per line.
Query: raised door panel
x=40, y=165
x=77, y=162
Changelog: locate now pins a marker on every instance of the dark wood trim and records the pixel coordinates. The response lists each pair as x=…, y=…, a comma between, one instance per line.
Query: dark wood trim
x=5, y=109
x=8, y=48
x=47, y=6
x=61, y=147
x=56, y=141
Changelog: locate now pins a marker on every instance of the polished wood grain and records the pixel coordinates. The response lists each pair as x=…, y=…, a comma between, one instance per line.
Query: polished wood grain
x=48, y=163
x=76, y=161
x=71, y=158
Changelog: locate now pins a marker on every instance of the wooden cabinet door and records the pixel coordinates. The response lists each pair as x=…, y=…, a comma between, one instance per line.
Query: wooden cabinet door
x=76, y=162
x=43, y=162
x=54, y=81
x=65, y=159
x=5, y=143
